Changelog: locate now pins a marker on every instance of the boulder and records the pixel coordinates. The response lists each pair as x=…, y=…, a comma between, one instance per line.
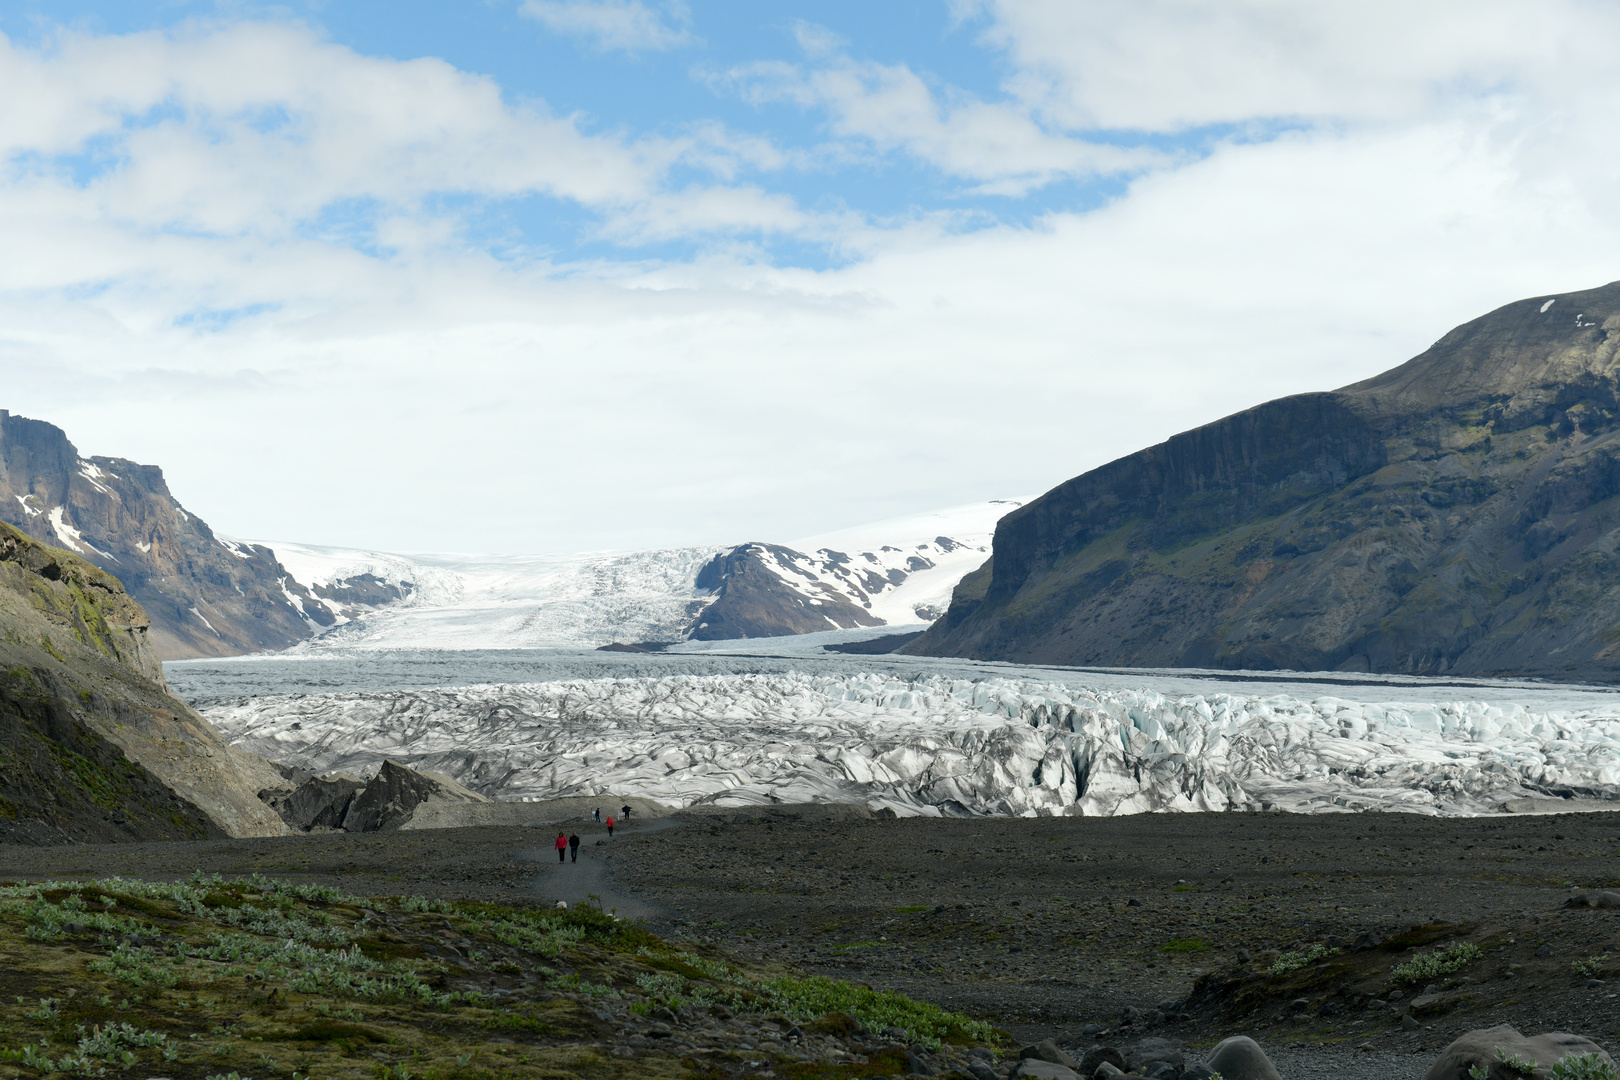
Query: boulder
x=1147, y=1052
x=917, y=1063
x=395, y=793
x=1047, y=1050
x=1041, y=1070
x=1603, y=899
x=1107, y=1071
x=1097, y=1055
x=1480, y=1047
x=1240, y=1058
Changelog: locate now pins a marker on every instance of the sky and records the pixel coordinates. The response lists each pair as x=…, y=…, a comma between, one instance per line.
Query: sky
x=566, y=275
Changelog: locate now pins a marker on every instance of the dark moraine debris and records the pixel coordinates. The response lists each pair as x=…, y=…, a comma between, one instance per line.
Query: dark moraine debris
x=393, y=795
x=316, y=803
x=877, y=646
x=635, y=646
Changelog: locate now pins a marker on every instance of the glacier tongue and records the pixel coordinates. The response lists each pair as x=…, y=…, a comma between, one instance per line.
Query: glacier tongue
x=935, y=744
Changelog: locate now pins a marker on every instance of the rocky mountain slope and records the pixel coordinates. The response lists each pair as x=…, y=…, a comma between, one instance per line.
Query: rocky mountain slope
x=206, y=596
x=93, y=748
x=1456, y=514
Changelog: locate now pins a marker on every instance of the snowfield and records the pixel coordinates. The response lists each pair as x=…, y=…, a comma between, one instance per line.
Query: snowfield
x=938, y=744
x=505, y=601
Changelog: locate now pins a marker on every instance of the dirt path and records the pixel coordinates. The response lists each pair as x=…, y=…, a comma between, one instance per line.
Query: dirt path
x=589, y=880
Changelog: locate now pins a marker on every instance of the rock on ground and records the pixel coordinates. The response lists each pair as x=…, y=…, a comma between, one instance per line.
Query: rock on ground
x=1240, y=1058
x=1489, y=1046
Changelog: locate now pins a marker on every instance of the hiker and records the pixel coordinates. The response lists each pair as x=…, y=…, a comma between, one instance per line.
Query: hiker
x=573, y=848
x=624, y=811
x=562, y=847
x=597, y=814
x=610, y=824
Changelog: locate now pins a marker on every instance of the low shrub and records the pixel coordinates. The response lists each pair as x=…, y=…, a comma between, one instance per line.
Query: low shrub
x=1424, y=966
x=1293, y=961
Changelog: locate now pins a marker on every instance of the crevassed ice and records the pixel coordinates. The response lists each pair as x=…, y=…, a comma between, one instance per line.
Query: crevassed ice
x=935, y=744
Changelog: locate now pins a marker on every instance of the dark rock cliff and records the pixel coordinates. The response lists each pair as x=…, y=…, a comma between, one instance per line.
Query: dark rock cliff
x=205, y=596
x=1456, y=514
x=93, y=748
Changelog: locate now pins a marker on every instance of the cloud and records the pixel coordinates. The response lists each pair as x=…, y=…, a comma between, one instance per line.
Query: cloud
x=265, y=129
x=1165, y=65
x=248, y=242
x=626, y=25
x=725, y=398
x=890, y=107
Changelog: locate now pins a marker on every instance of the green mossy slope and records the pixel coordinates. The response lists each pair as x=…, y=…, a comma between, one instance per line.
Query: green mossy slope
x=262, y=978
x=93, y=748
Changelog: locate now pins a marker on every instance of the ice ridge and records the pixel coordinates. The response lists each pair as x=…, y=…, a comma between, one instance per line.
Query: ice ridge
x=935, y=744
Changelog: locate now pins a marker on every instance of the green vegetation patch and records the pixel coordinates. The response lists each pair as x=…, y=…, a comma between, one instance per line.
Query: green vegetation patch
x=262, y=978
x=1293, y=961
x=1439, y=962
x=806, y=999
x=1185, y=945
x=1590, y=967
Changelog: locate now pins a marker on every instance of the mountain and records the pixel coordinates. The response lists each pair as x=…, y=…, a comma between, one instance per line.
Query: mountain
x=897, y=572
x=210, y=595
x=1457, y=514
x=891, y=573
x=206, y=596
x=93, y=748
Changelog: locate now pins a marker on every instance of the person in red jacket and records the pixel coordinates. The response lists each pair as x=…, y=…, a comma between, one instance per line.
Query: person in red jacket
x=562, y=847
x=610, y=824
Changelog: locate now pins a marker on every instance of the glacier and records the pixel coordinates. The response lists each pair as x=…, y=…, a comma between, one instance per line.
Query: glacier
x=900, y=571
x=926, y=742
x=503, y=601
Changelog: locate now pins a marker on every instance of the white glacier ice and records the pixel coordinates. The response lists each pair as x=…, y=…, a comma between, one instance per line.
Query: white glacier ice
x=505, y=601
x=902, y=571
x=931, y=743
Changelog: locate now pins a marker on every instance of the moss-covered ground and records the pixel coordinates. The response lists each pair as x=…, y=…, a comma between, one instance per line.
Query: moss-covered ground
x=266, y=979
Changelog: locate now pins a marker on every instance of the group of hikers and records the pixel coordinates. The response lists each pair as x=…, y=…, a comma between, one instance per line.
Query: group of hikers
x=568, y=845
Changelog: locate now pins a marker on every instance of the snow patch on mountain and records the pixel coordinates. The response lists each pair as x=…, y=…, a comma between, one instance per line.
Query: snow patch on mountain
x=71, y=538
x=919, y=558
x=936, y=744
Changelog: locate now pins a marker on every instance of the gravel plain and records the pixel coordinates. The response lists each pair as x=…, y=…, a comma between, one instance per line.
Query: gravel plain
x=1041, y=925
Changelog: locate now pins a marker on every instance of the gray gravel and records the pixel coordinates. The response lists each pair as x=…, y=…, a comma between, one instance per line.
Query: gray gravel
x=1348, y=1063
